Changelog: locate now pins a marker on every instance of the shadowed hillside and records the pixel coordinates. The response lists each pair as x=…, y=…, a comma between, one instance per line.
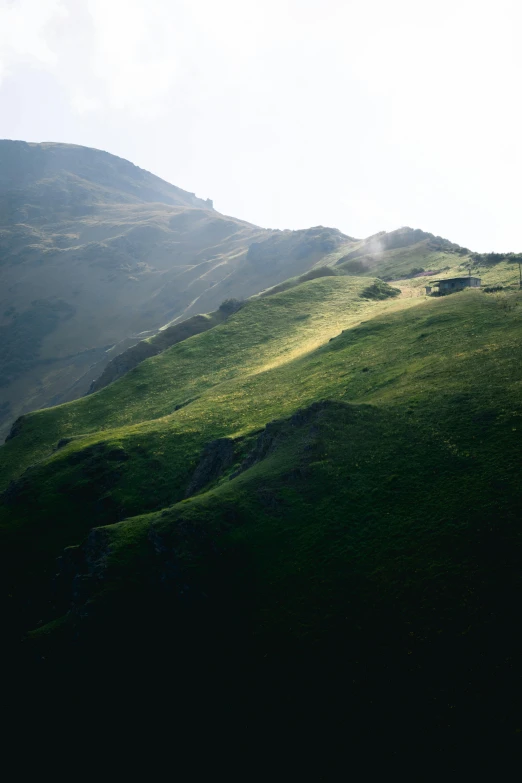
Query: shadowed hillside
x=321, y=488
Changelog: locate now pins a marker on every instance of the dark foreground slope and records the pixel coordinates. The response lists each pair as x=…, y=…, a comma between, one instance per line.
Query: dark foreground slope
x=95, y=252
x=315, y=503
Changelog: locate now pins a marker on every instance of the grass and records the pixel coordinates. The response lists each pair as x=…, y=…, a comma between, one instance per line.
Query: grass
x=357, y=558
x=111, y=251
x=371, y=513
x=268, y=360
x=277, y=367
x=267, y=333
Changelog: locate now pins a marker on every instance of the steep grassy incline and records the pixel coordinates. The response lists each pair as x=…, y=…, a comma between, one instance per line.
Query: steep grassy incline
x=135, y=444
x=323, y=489
x=96, y=253
x=411, y=258
x=264, y=334
x=152, y=346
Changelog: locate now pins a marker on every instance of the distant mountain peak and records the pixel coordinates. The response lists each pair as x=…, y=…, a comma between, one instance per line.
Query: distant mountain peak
x=42, y=178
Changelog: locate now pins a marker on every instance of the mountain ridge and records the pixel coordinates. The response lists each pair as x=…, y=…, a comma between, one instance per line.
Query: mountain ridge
x=25, y=164
x=94, y=252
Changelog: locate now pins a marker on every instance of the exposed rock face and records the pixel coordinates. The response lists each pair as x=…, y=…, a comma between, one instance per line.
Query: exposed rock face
x=80, y=572
x=133, y=356
x=195, y=569
x=16, y=488
x=15, y=429
x=265, y=444
x=168, y=544
x=121, y=364
x=278, y=431
x=217, y=456
x=96, y=551
x=62, y=442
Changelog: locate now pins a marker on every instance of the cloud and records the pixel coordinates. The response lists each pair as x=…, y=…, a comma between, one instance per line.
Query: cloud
x=25, y=31
x=357, y=113
x=133, y=56
x=83, y=104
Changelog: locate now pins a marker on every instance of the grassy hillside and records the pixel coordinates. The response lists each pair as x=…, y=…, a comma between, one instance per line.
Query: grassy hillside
x=411, y=258
x=159, y=342
x=38, y=181
x=401, y=265
x=318, y=497
x=96, y=254
x=434, y=380
x=266, y=334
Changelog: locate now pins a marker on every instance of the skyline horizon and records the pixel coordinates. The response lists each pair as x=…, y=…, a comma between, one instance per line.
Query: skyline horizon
x=290, y=113
x=350, y=235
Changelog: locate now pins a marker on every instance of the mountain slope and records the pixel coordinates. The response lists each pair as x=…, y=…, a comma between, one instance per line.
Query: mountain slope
x=397, y=257
x=94, y=252
x=323, y=488
x=305, y=506
x=50, y=181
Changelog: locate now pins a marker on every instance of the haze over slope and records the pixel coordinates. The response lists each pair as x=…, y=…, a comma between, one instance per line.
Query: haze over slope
x=409, y=256
x=95, y=251
x=97, y=254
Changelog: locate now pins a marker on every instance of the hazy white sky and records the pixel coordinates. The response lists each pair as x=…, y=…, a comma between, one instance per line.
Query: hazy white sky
x=365, y=115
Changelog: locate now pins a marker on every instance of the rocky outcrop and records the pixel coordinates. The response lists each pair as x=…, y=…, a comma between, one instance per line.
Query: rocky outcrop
x=219, y=455
x=216, y=457
x=133, y=356
x=379, y=290
x=15, y=429
x=17, y=488
x=80, y=572
x=121, y=364
x=279, y=431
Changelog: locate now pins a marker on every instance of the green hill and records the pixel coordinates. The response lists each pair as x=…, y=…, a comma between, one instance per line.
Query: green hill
x=399, y=258
x=302, y=491
x=322, y=488
x=96, y=253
